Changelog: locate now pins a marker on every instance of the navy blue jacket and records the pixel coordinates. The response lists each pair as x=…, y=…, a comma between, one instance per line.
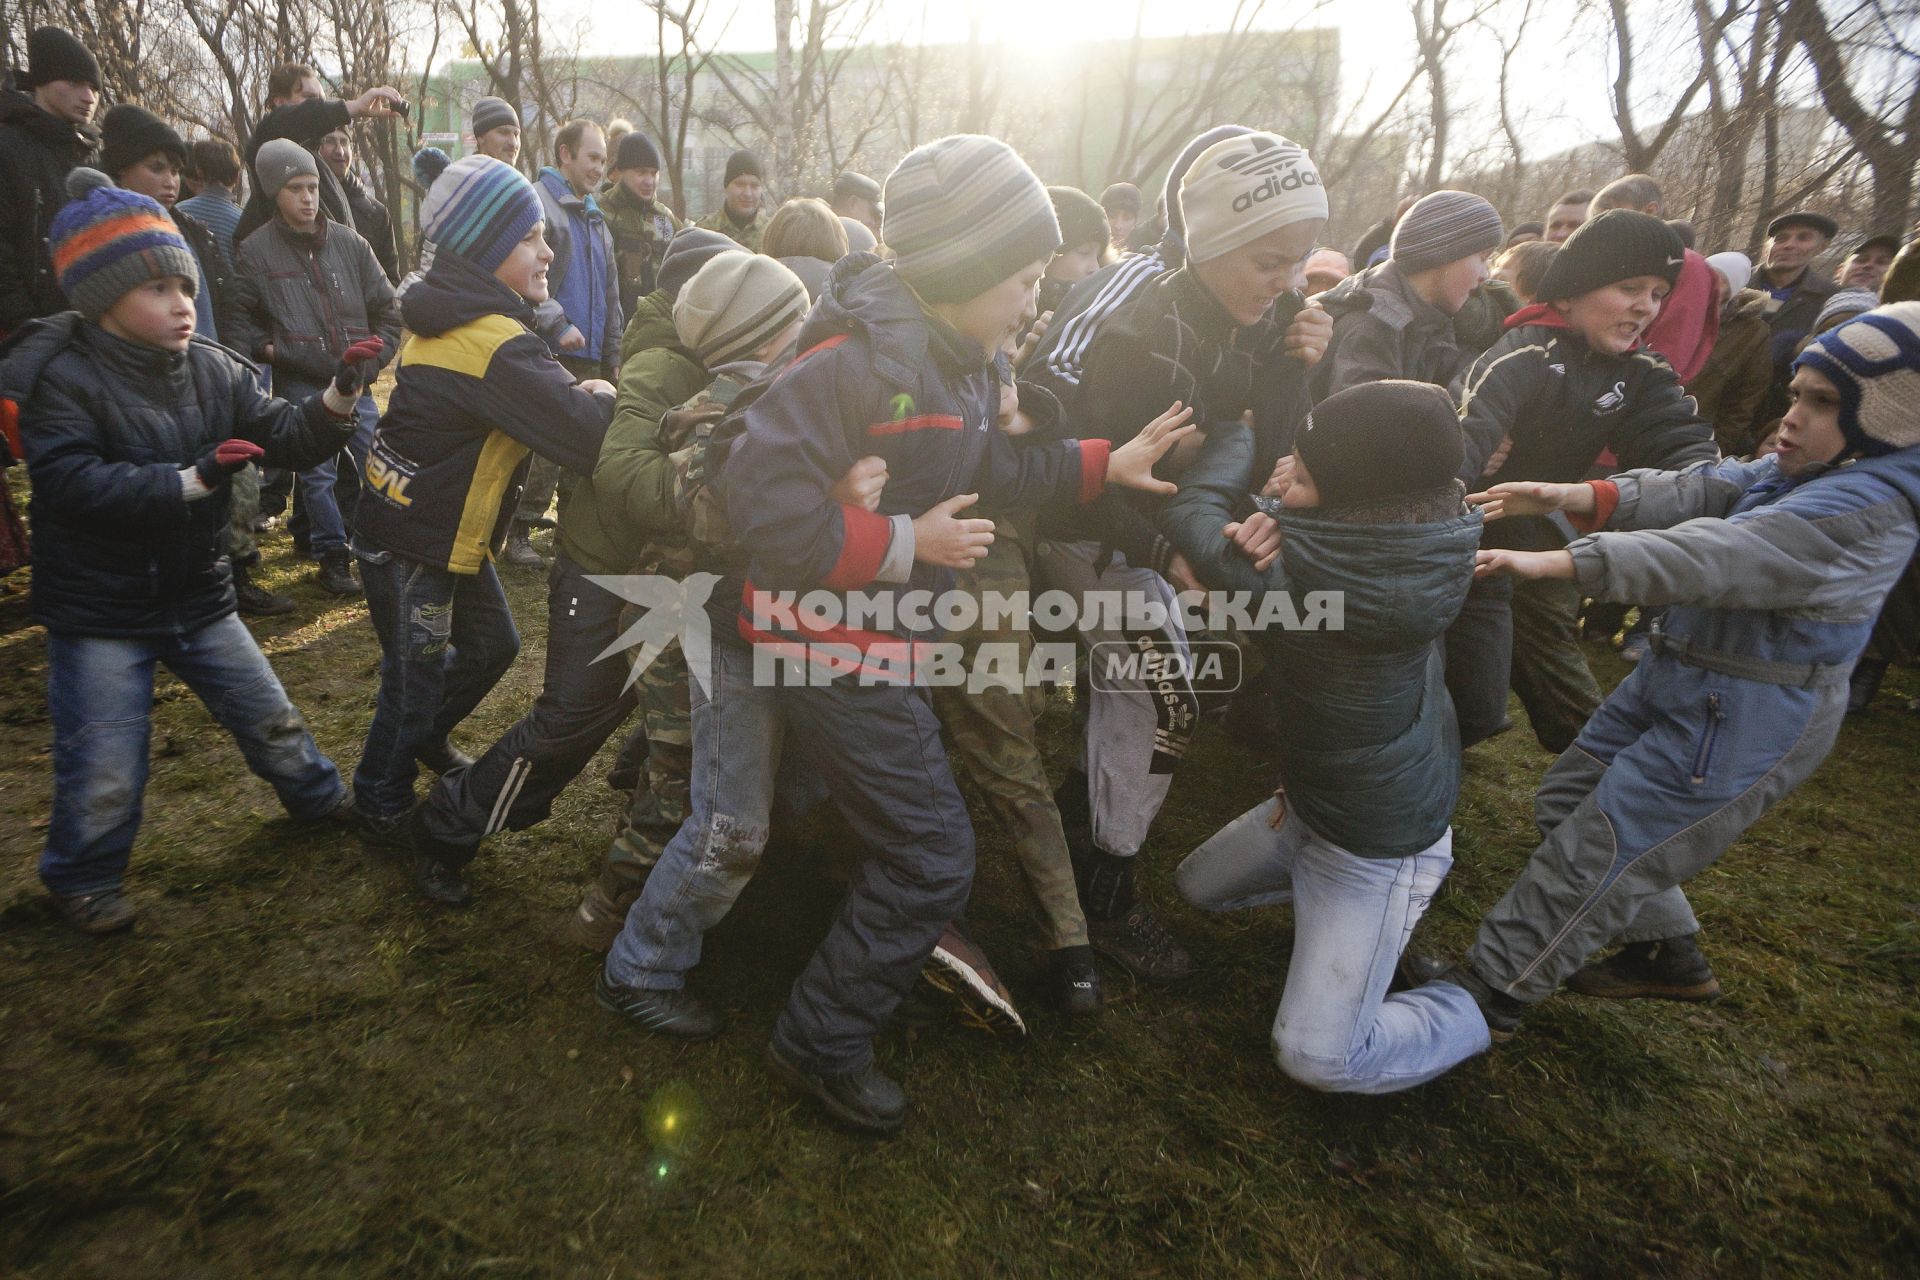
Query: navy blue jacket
x=107, y=425
x=876, y=376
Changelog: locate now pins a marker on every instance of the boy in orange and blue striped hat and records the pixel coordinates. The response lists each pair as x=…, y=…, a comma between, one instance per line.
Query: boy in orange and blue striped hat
x=132, y=427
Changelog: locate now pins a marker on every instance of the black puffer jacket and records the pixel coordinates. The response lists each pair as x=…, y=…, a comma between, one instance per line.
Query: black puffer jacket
x=37, y=152
x=107, y=425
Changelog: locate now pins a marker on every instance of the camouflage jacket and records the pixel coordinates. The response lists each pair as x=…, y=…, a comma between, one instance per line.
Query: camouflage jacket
x=640, y=232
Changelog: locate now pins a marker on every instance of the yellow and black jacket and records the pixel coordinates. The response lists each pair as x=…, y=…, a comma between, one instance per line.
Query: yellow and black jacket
x=476, y=392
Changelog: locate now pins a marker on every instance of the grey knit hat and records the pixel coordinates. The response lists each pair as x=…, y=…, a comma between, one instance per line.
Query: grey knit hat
x=279, y=161
x=963, y=214
x=735, y=305
x=490, y=113
x=1443, y=227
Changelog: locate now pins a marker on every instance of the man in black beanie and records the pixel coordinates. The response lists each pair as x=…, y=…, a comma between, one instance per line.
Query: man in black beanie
x=299, y=110
x=640, y=224
x=742, y=217
x=857, y=196
x=1122, y=203
x=1571, y=377
x=45, y=131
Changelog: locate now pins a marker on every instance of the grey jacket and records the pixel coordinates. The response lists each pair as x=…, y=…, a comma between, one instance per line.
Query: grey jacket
x=309, y=296
x=1383, y=329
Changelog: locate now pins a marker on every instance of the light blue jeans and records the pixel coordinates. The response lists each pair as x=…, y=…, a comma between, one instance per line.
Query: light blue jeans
x=327, y=527
x=737, y=733
x=100, y=692
x=1337, y=1028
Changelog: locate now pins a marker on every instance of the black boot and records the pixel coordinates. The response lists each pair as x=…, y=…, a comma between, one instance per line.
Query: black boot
x=255, y=600
x=437, y=866
x=1670, y=969
x=1075, y=981
x=336, y=573
x=442, y=758
x=1502, y=1011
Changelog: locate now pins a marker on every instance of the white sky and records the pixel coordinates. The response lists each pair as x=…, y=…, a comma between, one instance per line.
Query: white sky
x=1562, y=72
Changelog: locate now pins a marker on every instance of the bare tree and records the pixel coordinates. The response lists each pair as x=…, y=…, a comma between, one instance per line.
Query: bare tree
x=1866, y=68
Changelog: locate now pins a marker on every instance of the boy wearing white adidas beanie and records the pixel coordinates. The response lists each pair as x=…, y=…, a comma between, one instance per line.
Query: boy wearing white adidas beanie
x=1211, y=336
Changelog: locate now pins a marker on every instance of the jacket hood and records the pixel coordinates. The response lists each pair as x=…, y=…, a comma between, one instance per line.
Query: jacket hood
x=1401, y=584
x=29, y=348
x=1899, y=471
x=20, y=110
x=562, y=192
x=455, y=292
x=1748, y=304
x=864, y=295
x=1383, y=290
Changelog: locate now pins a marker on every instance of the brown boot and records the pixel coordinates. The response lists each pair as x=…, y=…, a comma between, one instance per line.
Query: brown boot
x=602, y=913
x=1670, y=969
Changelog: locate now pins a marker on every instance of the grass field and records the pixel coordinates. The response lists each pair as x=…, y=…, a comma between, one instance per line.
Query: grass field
x=293, y=1067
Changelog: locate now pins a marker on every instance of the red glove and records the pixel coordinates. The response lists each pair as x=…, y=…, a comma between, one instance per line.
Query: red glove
x=225, y=458
x=359, y=366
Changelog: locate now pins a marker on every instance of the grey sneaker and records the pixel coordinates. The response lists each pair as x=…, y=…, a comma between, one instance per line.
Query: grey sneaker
x=106, y=911
x=1141, y=945
x=680, y=1014
x=866, y=1099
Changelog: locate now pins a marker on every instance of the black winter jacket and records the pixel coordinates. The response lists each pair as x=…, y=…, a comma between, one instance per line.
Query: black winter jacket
x=37, y=152
x=1562, y=402
x=107, y=425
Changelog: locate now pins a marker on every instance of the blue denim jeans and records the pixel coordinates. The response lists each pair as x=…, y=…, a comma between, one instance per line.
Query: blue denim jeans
x=737, y=733
x=100, y=693
x=445, y=640
x=326, y=525
x=1337, y=1028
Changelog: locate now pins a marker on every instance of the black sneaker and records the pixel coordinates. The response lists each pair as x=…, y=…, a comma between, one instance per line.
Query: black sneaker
x=867, y=1099
x=440, y=881
x=442, y=758
x=1502, y=1011
x=959, y=970
x=1864, y=684
x=256, y=601
x=336, y=573
x=381, y=833
x=1671, y=969
x=1416, y=969
x=1141, y=945
x=107, y=911
x=1075, y=981
x=520, y=553
x=680, y=1014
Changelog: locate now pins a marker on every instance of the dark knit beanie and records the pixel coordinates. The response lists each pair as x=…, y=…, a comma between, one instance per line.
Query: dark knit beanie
x=1617, y=245
x=490, y=113
x=855, y=186
x=742, y=164
x=1080, y=215
x=1379, y=440
x=129, y=134
x=637, y=152
x=1121, y=197
x=963, y=214
x=689, y=251
x=107, y=240
x=53, y=54
x=1443, y=227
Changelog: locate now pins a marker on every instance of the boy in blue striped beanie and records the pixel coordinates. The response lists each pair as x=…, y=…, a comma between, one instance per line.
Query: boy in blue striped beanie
x=476, y=395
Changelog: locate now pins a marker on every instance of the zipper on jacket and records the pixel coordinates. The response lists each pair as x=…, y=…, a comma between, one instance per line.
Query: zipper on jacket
x=1703, y=759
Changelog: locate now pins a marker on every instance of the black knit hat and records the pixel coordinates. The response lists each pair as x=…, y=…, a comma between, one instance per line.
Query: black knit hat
x=741, y=164
x=636, y=151
x=1617, y=245
x=1080, y=215
x=53, y=54
x=689, y=251
x=1121, y=197
x=1380, y=439
x=129, y=134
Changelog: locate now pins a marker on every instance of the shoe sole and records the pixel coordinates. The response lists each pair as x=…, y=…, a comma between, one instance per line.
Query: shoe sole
x=800, y=1082
x=612, y=1006
x=1695, y=993
x=980, y=1006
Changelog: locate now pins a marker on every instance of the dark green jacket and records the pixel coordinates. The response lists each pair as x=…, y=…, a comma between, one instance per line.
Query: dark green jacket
x=651, y=325
x=628, y=500
x=1370, y=749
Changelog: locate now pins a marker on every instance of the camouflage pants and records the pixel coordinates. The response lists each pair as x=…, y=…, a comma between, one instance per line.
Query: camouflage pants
x=1550, y=672
x=243, y=503
x=992, y=732
x=660, y=796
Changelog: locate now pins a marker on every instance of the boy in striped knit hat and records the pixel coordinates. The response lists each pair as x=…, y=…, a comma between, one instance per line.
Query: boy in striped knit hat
x=477, y=394
x=133, y=427
x=898, y=361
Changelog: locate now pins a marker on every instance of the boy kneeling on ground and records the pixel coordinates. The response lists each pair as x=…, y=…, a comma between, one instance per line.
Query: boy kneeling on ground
x=133, y=427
